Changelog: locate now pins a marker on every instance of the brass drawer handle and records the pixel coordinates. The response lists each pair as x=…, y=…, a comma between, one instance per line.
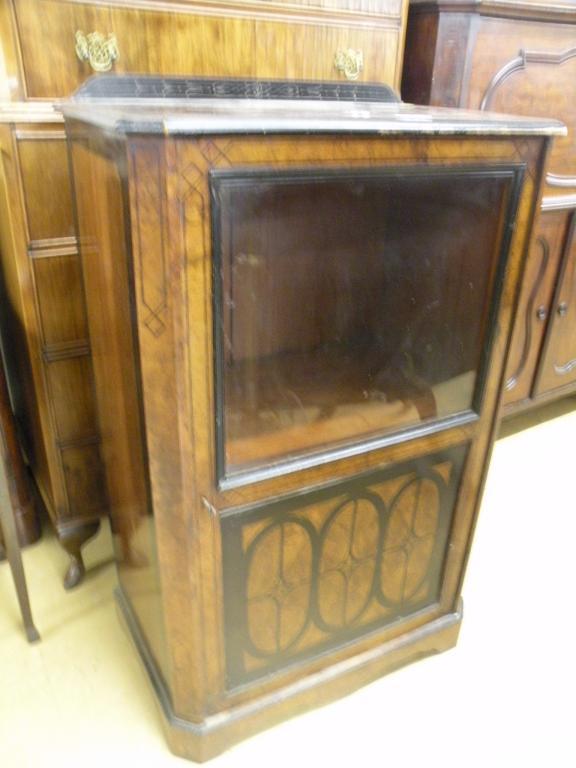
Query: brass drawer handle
x=349, y=62
x=100, y=51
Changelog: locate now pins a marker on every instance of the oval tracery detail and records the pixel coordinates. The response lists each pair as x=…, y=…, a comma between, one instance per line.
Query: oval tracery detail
x=278, y=586
x=409, y=541
x=347, y=565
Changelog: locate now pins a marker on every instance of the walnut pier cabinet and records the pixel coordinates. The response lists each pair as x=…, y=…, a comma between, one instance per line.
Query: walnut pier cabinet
x=299, y=314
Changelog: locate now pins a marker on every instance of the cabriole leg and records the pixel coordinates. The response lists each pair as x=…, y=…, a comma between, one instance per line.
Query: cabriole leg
x=73, y=537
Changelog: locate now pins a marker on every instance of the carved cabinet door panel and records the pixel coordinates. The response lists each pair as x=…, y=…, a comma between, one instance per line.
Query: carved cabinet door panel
x=558, y=366
x=534, y=304
x=537, y=79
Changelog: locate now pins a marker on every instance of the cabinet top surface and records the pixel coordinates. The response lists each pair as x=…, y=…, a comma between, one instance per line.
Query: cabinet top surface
x=199, y=106
x=252, y=116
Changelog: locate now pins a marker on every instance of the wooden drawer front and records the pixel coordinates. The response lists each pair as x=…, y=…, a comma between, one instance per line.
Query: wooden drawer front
x=533, y=309
x=273, y=43
x=558, y=365
x=46, y=186
x=529, y=68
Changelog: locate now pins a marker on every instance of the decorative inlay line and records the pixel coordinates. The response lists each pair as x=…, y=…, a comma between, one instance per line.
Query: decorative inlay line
x=562, y=370
x=150, y=237
x=529, y=315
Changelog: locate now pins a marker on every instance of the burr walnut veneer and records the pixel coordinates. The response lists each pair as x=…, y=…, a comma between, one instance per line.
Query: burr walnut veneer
x=299, y=315
x=47, y=49
x=516, y=57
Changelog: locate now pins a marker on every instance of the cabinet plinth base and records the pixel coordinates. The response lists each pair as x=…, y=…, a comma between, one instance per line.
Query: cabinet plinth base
x=203, y=741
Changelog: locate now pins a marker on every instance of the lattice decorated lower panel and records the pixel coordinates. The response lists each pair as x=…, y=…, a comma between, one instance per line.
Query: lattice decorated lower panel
x=311, y=572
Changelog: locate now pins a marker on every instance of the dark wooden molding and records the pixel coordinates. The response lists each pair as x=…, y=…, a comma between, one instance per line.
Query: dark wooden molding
x=568, y=367
x=66, y=350
x=529, y=314
x=567, y=244
x=542, y=11
x=150, y=87
x=54, y=246
x=79, y=442
x=519, y=63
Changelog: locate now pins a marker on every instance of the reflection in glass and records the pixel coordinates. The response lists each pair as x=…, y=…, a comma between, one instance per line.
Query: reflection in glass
x=349, y=305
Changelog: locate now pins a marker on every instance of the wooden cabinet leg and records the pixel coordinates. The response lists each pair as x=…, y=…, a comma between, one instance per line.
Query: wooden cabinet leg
x=73, y=537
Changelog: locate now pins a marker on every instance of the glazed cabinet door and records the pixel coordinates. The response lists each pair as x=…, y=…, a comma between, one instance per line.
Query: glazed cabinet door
x=362, y=320
x=558, y=365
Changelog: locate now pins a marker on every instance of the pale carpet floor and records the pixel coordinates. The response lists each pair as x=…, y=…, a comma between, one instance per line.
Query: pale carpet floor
x=504, y=697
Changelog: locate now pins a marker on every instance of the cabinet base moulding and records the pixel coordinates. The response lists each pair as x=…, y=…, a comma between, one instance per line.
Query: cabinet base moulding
x=201, y=741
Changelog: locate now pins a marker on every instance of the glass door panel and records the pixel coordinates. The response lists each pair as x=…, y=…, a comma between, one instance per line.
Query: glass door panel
x=350, y=304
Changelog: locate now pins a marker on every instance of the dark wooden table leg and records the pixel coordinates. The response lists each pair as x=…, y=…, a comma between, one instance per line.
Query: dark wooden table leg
x=12, y=546
x=13, y=495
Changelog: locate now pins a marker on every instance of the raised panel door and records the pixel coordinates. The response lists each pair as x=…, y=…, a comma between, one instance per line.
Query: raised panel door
x=558, y=364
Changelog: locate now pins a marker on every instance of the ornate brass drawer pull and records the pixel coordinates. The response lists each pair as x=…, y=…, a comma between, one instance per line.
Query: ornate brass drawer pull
x=349, y=62
x=100, y=51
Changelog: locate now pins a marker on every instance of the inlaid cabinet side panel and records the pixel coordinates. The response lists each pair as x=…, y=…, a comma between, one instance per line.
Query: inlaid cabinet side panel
x=104, y=246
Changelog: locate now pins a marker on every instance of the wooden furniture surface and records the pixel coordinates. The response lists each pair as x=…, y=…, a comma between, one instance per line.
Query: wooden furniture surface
x=278, y=549
x=517, y=58
x=50, y=47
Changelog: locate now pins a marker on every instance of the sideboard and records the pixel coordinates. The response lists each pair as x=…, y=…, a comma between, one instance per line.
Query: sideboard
x=518, y=57
x=300, y=313
x=48, y=48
